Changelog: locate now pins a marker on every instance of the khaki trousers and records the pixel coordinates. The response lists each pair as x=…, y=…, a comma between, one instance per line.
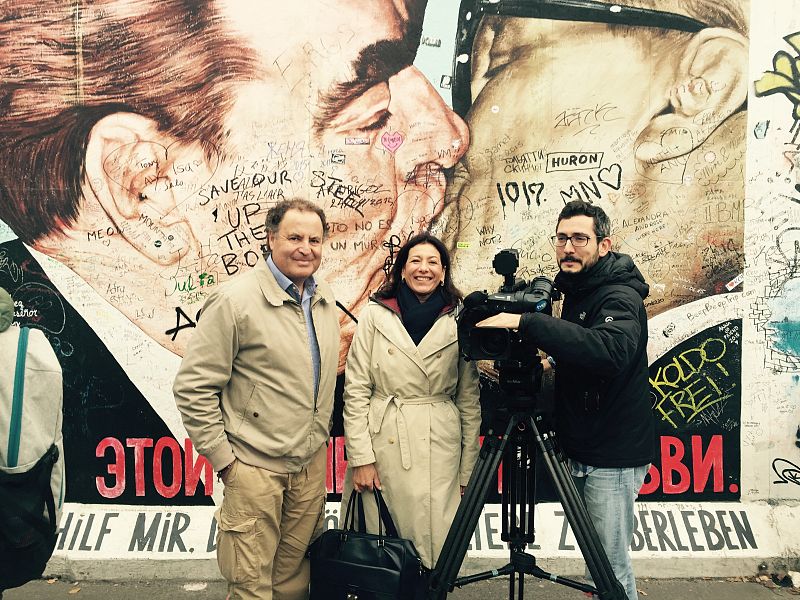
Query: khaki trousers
x=264, y=527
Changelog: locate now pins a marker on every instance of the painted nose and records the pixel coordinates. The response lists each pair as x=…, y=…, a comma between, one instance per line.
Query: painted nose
x=434, y=134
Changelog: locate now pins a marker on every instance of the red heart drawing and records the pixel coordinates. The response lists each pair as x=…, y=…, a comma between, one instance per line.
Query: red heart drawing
x=392, y=141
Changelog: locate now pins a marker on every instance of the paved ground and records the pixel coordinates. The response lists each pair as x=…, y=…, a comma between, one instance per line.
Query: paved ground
x=650, y=589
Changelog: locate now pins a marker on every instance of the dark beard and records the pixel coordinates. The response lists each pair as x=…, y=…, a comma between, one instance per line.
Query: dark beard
x=568, y=281
x=572, y=278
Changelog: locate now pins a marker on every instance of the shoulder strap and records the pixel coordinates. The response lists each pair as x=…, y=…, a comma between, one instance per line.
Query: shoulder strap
x=16, y=404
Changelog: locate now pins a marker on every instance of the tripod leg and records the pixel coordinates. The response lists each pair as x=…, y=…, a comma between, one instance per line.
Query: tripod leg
x=466, y=519
x=582, y=527
x=519, y=492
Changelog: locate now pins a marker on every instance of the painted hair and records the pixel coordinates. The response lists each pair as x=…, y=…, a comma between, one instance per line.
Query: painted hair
x=66, y=65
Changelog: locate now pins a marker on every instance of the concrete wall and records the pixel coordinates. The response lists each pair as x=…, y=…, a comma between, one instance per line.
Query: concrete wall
x=142, y=146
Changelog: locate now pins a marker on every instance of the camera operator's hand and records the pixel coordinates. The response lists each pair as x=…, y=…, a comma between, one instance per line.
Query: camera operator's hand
x=501, y=320
x=366, y=477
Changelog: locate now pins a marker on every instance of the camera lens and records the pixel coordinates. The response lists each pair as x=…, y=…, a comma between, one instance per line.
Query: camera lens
x=493, y=343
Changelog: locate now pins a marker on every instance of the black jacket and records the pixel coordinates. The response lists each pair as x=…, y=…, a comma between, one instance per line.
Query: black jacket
x=602, y=399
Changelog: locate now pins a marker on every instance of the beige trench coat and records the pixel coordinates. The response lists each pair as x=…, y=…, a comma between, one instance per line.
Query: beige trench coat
x=415, y=412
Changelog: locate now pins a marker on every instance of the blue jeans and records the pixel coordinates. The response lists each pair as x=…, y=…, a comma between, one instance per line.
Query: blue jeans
x=609, y=495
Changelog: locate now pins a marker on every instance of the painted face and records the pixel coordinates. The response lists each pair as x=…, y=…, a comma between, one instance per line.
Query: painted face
x=341, y=117
x=423, y=271
x=297, y=246
x=574, y=258
x=359, y=129
x=590, y=128
x=334, y=112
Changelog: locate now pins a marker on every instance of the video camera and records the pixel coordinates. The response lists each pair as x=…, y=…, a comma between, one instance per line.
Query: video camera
x=518, y=365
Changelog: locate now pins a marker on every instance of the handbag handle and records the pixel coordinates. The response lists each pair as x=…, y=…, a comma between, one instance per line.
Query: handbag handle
x=349, y=517
x=356, y=503
x=384, y=517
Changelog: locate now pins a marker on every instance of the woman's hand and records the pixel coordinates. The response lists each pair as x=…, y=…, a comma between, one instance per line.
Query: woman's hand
x=366, y=477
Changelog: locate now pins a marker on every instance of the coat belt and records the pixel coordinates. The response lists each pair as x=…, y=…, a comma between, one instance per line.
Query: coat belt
x=380, y=403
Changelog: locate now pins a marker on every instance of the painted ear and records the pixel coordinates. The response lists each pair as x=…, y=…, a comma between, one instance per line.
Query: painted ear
x=129, y=169
x=710, y=85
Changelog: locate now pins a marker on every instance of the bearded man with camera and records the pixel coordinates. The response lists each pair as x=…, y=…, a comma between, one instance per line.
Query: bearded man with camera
x=599, y=350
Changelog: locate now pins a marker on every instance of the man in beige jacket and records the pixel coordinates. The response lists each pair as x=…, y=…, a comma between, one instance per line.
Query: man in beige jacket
x=255, y=390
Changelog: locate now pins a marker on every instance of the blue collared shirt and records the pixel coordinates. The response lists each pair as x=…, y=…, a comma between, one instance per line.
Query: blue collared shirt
x=305, y=302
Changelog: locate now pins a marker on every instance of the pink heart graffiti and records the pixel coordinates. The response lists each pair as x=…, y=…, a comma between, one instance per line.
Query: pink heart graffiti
x=392, y=141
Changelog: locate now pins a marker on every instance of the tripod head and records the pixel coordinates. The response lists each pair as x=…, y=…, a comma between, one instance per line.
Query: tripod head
x=520, y=380
x=512, y=387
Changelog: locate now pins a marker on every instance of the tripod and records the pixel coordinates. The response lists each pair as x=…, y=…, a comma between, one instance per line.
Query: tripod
x=517, y=447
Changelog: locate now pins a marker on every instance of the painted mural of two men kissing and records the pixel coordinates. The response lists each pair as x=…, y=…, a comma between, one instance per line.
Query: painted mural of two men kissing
x=141, y=144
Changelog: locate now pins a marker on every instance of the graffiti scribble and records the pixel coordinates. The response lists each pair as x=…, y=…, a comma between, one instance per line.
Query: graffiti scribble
x=784, y=79
x=788, y=472
x=686, y=386
x=393, y=246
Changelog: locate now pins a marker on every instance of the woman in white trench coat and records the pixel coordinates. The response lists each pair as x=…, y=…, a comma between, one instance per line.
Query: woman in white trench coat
x=411, y=413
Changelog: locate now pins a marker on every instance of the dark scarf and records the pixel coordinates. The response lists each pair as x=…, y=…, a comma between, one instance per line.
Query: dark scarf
x=418, y=317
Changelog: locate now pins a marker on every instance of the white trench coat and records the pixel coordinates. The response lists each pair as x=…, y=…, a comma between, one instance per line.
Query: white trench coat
x=413, y=411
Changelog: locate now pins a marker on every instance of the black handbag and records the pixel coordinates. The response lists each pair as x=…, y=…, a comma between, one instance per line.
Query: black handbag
x=350, y=564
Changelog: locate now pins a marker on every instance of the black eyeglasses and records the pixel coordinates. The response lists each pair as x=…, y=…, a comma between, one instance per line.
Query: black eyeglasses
x=471, y=11
x=578, y=240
